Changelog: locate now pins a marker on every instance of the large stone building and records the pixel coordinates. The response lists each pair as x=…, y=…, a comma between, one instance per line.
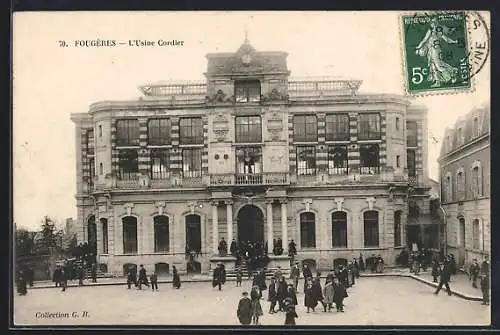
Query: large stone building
x=464, y=165
x=250, y=154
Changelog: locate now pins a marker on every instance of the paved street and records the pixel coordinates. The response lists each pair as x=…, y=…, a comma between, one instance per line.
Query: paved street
x=372, y=301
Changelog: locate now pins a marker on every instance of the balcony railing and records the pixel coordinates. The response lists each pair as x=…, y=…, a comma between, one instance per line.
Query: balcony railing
x=270, y=178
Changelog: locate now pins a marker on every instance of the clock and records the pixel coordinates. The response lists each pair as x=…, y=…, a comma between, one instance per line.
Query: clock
x=246, y=59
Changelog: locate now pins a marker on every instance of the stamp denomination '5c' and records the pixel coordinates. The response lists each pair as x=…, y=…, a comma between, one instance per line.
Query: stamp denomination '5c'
x=436, y=56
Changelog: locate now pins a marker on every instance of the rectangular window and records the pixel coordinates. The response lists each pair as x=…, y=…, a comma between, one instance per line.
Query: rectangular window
x=339, y=230
x=475, y=234
x=90, y=142
x=460, y=186
x=411, y=133
x=337, y=127
x=398, y=163
x=159, y=131
x=369, y=126
x=411, y=163
x=369, y=159
x=397, y=228
x=305, y=128
x=306, y=161
x=127, y=132
x=247, y=90
x=104, y=236
x=191, y=130
x=128, y=164
x=248, y=129
x=371, y=229
x=397, y=123
x=91, y=171
x=159, y=168
x=100, y=131
x=337, y=160
x=191, y=163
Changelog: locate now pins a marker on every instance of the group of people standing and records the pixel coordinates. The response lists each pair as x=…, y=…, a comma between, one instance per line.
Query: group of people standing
x=483, y=273
x=142, y=279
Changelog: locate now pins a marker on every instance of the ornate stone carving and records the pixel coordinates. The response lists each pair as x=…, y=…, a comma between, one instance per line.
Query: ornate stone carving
x=220, y=126
x=307, y=203
x=275, y=95
x=275, y=125
x=128, y=207
x=219, y=96
x=192, y=205
x=371, y=202
x=161, y=206
x=339, y=202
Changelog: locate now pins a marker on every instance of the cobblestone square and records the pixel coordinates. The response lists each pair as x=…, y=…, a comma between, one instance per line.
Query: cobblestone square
x=372, y=301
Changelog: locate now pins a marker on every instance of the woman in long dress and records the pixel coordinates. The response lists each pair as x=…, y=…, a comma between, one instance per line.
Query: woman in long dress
x=255, y=295
x=430, y=47
x=176, y=280
x=309, y=297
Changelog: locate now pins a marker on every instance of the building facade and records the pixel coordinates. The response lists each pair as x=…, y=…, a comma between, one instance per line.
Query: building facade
x=464, y=165
x=249, y=154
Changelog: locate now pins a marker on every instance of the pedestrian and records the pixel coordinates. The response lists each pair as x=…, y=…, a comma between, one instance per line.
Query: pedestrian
x=81, y=275
x=328, y=292
x=294, y=275
x=290, y=315
x=63, y=277
x=272, y=297
x=154, y=281
x=176, y=279
x=22, y=283
x=93, y=272
x=306, y=273
x=143, y=278
x=474, y=272
x=352, y=273
x=255, y=296
x=309, y=298
x=361, y=263
x=239, y=276
x=317, y=291
x=244, y=312
x=282, y=292
x=436, y=269
x=485, y=280
x=219, y=276
x=444, y=278
x=355, y=267
x=340, y=293
x=56, y=276
x=291, y=296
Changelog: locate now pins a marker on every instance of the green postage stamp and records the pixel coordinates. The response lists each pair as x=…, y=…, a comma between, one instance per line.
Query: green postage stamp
x=436, y=54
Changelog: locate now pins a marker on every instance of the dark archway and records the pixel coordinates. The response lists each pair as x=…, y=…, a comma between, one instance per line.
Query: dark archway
x=250, y=224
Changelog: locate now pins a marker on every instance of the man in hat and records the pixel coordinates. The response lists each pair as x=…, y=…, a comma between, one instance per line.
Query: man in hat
x=294, y=275
x=244, y=312
x=219, y=276
x=474, y=272
x=485, y=280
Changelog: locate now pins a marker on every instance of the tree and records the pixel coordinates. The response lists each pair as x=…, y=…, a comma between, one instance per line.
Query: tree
x=47, y=243
x=25, y=243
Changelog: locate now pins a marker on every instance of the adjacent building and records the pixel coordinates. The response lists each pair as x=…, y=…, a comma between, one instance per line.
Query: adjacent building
x=249, y=154
x=464, y=165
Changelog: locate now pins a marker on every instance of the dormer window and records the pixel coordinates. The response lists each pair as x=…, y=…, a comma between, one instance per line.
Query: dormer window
x=459, y=136
x=247, y=90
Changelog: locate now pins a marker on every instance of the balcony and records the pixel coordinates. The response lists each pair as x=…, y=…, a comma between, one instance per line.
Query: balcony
x=269, y=178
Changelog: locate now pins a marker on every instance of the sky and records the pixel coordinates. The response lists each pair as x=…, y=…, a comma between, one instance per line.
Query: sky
x=51, y=82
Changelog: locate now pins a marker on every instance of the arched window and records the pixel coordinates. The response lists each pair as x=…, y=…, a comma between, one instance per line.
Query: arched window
x=101, y=169
x=307, y=230
x=162, y=233
x=92, y=234
x=370, y=221
x=449, y=188
x=193, y=233
x=460, y=184
x=477, y=179
x=104, y=224
x=397, y=228
x=475, y=235
x=339, y=230
x=129, y=235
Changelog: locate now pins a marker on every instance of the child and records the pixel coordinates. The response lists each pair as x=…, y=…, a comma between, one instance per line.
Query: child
x=272, y=297
x=239, y=277
x=290, y=315
x=255, y=295
x=154, y=281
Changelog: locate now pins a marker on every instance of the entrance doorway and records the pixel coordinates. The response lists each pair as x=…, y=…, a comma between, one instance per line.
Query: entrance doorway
x=250, y=224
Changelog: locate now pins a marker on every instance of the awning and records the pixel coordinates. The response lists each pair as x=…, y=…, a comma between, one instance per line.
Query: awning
x=422, y=220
